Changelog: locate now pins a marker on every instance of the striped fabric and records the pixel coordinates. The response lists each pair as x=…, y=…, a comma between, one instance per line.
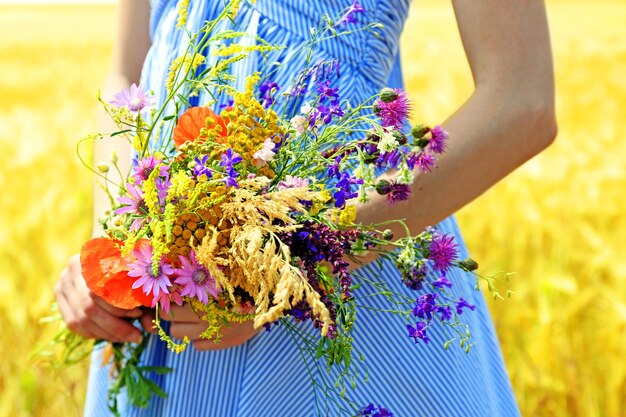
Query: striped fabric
x=268, y=376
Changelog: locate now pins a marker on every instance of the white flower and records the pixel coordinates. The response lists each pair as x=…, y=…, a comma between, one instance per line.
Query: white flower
x=407, y=256
x=388, y=142
x=265, y=154
x=365, y=173
x=405, y=175
x=298, y=123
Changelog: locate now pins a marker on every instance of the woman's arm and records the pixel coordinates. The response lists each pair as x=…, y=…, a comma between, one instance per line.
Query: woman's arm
x=508, y=119
x=84, y=312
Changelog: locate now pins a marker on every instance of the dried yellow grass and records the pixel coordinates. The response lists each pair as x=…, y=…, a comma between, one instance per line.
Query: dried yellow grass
x=558, y=221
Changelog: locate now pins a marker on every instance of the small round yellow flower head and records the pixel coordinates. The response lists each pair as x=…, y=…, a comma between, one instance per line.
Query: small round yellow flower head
x=183, y=11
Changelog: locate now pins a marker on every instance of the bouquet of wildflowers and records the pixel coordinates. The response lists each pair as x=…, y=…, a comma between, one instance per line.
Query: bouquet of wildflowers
x=248, y=212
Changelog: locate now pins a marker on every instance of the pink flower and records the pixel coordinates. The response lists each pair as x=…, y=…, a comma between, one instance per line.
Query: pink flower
x=152, y=280
x=165, y=300
x=195, y=279
x=393, y=110
x=133, y=204
x=134, y=99
x=265, y=154
x=293, y=182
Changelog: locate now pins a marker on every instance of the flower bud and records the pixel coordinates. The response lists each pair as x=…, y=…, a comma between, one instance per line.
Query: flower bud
x=103, y=167
x=419, y=131
x=422, y=143
x=468, y=264
x=388, y=95
x=382, y=187
x=114, y=158
x=387, y=234
x=402, y=140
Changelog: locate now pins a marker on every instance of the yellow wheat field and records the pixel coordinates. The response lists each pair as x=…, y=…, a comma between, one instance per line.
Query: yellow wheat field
x=558, y=222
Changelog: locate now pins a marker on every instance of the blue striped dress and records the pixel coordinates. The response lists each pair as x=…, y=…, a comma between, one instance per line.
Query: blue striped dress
x=267, y=376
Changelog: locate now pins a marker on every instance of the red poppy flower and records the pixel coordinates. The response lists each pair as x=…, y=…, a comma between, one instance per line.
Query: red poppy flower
x=106, y=273
x=192, y=121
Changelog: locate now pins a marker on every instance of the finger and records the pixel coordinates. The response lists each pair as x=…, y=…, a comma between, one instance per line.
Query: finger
x=89, y=317
x=80, y=287
x=116, y=328
x=180, y=313
x=179, y=330
x=71, y=320
x=115, y=311
x=146, y=321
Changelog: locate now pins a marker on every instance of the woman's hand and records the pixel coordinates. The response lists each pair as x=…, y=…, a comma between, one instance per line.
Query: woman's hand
x=88, y=315
x=185, y=322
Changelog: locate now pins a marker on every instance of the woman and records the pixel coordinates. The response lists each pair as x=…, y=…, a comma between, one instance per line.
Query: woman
x=508, y=119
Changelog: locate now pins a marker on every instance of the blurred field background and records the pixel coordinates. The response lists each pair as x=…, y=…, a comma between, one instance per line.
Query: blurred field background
x=558, y=222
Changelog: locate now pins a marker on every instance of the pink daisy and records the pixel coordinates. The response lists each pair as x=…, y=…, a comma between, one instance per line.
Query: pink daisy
x=150, y=279
x=134, y=99
x=195, y=279
x=133, y=204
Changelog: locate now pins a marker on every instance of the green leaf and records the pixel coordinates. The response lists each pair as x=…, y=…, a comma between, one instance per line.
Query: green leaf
x=120, y=132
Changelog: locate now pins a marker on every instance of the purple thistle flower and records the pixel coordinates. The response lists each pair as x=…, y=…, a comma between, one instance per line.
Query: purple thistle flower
x=393, y=113
x=350, y=15
x=135, y=99
x=425, y=306
x=443, y=251
x=201, y=168
x=398, y=192
x=195, y=279
x=133, y=204
x=267, y=90
x=439, y=137
x=424, y=161
x=463, y=304
x=151, y=279
x=418, y=332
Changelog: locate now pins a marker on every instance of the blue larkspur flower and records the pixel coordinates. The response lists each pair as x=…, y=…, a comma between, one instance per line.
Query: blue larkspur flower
x=418, y=332
x=350, y=15
x=463, y=304
x=201, y=168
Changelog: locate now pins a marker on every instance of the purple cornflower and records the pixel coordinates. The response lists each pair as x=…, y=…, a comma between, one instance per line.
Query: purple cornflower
x=135, y=99
x=443, y=251
x=439, y=137
x=393, y=113
x=267, y=90
x=425, y=306
x=350, y=14
x=195, y=279
x=418, y=332
x=390, y=159
x=442, y=282
x=151, y=279
x=325, y=90
x=144, y=167
x=463, y=304
x=201, y=168
x=133, y=204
